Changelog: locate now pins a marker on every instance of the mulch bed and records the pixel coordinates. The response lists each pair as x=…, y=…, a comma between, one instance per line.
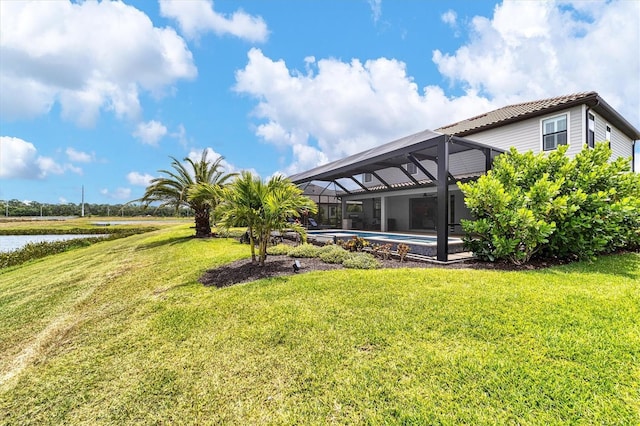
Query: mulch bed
x=243, y=271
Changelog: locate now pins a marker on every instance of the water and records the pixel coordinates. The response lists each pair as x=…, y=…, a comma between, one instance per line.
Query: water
x=16, y=242
x=420, y=239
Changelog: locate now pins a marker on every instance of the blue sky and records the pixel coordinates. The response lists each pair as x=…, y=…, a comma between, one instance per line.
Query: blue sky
x=101, y=94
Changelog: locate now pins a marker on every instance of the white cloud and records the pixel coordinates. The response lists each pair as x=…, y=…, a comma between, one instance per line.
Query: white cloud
x=150, y=132
x=74, y=169
x=308, y=158
x=376, y=9
x=197, y=17
x=79, y=156
x=180, y=135
x=138, y=179
x=196, y=154
x=525, y=51
x=531, y=50
x=48, y=166
x=70, y=53
x=341, y=108
x=19, y=159
x=449, y=17
x=117, y=194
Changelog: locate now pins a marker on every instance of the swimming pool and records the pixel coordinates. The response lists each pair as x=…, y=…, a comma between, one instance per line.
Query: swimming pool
x=379, y=236
x=425, y=245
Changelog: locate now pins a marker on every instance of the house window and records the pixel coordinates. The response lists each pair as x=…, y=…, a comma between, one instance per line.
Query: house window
x=412, y=168
x=607, y=134
x=368, y=177
x=591, y=130
x=554, y=132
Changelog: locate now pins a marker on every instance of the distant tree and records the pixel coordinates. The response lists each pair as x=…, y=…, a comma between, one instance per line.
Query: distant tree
x=172, y=189
x=263, y=207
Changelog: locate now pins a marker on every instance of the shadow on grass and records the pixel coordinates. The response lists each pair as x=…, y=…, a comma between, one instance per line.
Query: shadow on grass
x=167, y=242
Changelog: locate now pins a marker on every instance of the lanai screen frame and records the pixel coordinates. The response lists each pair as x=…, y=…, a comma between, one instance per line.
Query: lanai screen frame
x=425, y=145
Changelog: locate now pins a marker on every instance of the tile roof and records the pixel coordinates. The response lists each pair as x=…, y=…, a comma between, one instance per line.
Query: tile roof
x=515, y=112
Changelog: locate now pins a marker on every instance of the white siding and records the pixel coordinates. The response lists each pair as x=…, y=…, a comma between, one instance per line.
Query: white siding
x=467, y=162
x=526, y=135
x=621, y=144
x=601, y=127
x=577, y=130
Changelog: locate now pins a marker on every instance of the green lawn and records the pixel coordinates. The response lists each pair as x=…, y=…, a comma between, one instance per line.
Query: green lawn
x=121, y=332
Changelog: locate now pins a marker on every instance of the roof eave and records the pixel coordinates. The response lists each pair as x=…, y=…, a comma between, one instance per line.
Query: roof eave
x=604, y=109
x=593, y=100
x=543, y=111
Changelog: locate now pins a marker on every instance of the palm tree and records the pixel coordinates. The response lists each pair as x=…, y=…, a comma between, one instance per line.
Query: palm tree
x=263, y=208
x=173, y=188
x=241, y=204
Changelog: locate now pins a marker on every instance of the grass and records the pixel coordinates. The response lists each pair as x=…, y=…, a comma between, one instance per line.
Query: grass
x=121, y=332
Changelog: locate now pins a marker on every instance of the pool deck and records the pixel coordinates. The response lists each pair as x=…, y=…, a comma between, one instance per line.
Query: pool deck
x=425, y=250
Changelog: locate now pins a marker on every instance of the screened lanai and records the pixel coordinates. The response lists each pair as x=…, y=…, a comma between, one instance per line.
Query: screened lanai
x=416, y=172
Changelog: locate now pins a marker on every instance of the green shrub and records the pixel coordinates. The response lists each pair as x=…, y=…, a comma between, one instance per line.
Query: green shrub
x=361, y=261
x=33, y=251
x=333, y=254
x=68, y=231
x=279, y=249
x=553, y=206
x=305, y=250
x=605, y=205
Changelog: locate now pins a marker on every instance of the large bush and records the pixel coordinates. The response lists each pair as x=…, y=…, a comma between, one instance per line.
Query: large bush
x=553, y=206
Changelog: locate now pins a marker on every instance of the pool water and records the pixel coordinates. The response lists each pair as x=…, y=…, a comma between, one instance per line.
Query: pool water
x=416, y=239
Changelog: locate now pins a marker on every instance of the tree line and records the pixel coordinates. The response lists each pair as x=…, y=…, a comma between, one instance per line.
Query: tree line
x=17, y=208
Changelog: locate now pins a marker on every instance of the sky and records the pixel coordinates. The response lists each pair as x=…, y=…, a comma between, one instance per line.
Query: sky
x=100, y=95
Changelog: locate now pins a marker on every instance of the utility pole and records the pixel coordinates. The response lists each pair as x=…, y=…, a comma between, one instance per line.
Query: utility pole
x=82, y=200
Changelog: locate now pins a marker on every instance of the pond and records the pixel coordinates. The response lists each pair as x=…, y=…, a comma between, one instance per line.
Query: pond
x=16, y=242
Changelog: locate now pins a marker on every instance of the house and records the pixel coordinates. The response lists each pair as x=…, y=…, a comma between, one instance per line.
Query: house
x=410, y=184
x=575, y=120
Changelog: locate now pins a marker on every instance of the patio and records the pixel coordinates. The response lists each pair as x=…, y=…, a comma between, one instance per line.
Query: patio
x=406, y=184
